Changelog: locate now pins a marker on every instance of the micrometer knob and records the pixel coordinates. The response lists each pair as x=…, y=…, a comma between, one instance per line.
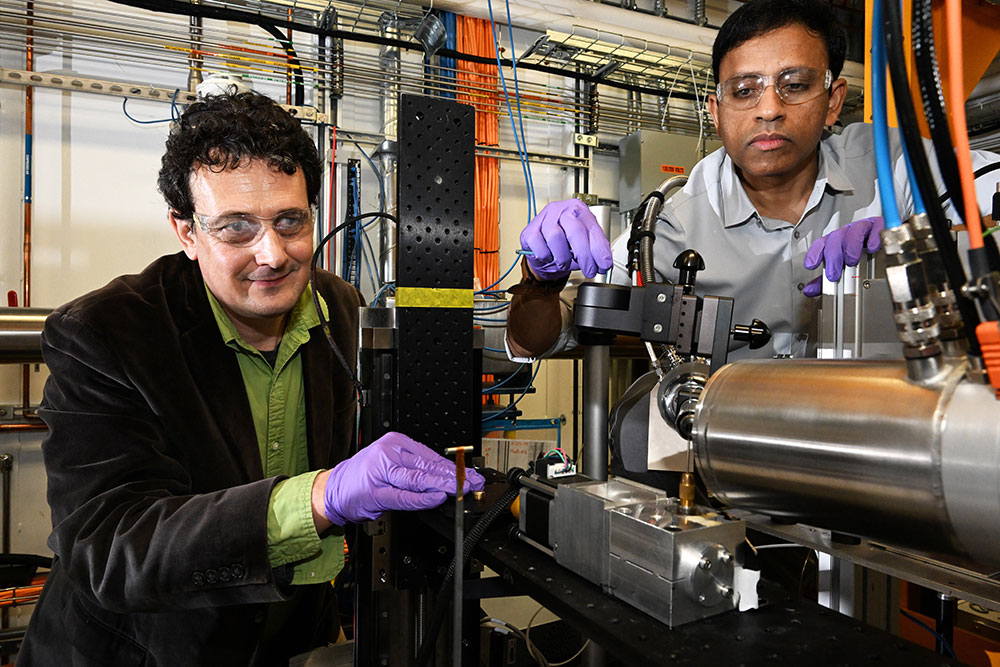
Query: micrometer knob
x=689, y=262
x=756, y=333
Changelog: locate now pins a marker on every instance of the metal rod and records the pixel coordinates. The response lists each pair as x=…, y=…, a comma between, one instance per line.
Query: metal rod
x=945, y=622
x=23, y=427
x=596, y=373
x=459, y=558
x=6, y=465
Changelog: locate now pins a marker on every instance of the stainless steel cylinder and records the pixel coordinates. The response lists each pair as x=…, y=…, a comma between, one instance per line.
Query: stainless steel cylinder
x=21, y=334
x=856, y=446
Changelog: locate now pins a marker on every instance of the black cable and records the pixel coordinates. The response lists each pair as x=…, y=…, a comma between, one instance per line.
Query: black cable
x=982, y=171
x=324, y=323
x=933, y=98
x=226, y=14
x=468, y=544
x=286, y=44
x=893, y=29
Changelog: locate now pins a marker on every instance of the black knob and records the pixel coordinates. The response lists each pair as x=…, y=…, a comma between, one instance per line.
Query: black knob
x=757, y=333
x=689, y=262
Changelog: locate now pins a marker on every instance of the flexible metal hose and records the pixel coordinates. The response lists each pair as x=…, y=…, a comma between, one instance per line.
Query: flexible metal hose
x=654, y=204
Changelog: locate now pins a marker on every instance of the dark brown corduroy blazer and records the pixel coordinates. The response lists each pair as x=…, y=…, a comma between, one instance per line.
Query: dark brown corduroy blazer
x=155, y=479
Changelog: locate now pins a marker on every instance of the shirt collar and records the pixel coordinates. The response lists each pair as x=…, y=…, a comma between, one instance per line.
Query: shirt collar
x=736, y=206
x=837, y=178
x=302, y=318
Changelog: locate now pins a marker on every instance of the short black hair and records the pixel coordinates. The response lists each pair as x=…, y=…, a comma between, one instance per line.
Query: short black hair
x=224, y=132
x=758, y=17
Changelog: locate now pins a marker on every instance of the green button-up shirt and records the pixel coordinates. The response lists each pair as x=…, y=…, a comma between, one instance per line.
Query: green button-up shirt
x=277, y=401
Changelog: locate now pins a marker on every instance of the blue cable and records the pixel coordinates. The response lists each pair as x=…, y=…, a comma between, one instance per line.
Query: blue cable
x=486, y=290
x=520, y=118
x=518, y=399
x=489, y=390
x=944, y=642
x=152, y=122
x=378, y=175
x=880, y=120
x=448, y=65
x=368, y=264
x=378, y=294
x=487, y=309
x=522, y=152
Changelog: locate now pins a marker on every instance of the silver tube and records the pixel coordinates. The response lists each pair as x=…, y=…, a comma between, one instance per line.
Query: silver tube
x=596, y=374
x=386, y=157
x=21, y=334
x=389, y=62
x=856, y=446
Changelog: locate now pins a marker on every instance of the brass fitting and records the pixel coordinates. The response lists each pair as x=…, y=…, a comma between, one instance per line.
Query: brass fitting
x=686, y=493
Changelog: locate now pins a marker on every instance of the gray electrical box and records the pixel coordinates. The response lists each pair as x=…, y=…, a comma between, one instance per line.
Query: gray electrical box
x=647, y=157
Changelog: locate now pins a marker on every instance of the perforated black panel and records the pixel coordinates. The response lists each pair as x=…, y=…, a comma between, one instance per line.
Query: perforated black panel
x=437, y=400
x=436, y=181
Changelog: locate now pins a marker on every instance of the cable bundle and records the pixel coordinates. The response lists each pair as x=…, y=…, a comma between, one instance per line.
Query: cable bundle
x=475, y=36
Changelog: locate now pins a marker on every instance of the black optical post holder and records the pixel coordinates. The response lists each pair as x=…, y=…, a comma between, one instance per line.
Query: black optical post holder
x=697, y=326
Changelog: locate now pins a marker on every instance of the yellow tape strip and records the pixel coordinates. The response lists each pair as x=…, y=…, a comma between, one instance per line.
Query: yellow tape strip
x=433, y=297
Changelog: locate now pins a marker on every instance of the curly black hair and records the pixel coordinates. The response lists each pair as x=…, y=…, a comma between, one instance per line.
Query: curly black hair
x=224, y=131
x=758, y=17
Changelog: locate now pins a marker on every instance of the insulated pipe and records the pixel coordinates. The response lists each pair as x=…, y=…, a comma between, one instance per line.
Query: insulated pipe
x=596, y=375
x=21, y=334
x=857, y=447
x=386, y=155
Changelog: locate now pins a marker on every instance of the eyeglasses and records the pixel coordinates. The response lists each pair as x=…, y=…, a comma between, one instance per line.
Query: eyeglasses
x=794, y=86
x=243, y=229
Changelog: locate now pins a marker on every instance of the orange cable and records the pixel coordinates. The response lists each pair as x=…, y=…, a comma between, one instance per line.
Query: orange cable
x=959, y=129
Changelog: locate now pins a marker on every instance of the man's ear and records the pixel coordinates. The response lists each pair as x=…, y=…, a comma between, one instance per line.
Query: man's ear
x=838, y=93
x=713, y=108
x=184, y=229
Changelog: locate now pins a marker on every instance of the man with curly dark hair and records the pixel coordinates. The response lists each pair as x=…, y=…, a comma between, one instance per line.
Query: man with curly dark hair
x=200, y=424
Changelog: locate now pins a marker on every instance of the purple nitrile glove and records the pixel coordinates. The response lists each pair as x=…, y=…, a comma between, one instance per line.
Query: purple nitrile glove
x=393, y=473
x=842, y=247
x=565, y=237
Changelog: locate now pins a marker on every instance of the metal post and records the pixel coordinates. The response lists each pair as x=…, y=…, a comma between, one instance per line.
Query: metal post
x=6, y=466
x=386, y=158
x=594, y=656
x=596, y=371
x=945, y=622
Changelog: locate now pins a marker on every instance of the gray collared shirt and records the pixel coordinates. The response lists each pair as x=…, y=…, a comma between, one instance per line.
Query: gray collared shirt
x=758, y=260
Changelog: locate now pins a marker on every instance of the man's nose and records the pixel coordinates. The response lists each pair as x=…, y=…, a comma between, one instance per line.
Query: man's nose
x=770, y=106
x=270, y=249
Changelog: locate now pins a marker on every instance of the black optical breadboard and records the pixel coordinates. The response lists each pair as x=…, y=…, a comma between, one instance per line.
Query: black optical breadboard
x=437, y=400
